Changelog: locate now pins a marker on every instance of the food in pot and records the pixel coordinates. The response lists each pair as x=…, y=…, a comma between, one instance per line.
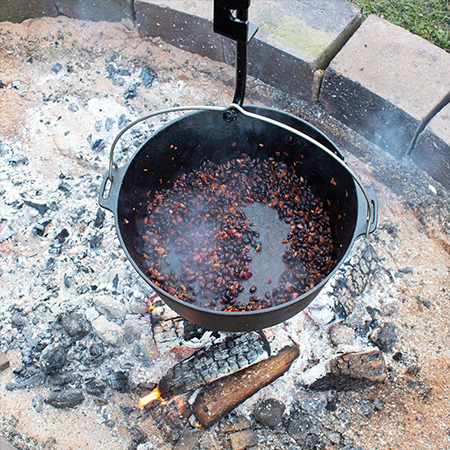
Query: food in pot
x=201, y=241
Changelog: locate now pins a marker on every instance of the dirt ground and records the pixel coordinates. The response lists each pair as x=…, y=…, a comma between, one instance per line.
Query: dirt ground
x=35, y=116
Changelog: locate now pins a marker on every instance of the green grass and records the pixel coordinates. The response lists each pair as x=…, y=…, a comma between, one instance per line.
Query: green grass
x=429, y=19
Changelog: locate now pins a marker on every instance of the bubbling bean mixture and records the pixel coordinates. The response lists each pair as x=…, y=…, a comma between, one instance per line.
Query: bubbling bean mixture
x=198, y=244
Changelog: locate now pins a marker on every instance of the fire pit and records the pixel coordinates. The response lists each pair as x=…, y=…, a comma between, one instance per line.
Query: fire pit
x=81, y=338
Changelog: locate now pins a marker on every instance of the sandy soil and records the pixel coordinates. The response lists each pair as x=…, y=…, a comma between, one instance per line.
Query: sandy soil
x=416, y=414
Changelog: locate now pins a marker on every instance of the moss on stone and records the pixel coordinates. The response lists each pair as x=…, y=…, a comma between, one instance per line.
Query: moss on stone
x=291, y=33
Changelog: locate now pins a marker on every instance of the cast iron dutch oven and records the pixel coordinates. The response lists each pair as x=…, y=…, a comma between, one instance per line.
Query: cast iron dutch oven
x=222, y=133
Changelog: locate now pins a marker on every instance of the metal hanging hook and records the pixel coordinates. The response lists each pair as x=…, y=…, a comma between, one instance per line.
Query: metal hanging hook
x=238, y=28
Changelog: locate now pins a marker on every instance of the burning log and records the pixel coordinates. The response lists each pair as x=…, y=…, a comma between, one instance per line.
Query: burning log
x=221, y=396
x=211, y=363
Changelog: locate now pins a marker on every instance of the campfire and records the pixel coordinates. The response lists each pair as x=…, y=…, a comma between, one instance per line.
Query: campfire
x=190, y=236
x=219, y=391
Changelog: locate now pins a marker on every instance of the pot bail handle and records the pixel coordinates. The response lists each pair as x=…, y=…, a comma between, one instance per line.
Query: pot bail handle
x=113, y=165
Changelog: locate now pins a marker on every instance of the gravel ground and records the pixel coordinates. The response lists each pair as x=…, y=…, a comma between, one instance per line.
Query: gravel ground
x=66, y=89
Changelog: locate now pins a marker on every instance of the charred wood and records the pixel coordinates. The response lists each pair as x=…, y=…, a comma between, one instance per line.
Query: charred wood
x=221, y=396
x=171, y=417
x=213, y=362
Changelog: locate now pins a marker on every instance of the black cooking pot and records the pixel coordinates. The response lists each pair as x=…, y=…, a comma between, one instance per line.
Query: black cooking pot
x=222, y=133
x=205, y=135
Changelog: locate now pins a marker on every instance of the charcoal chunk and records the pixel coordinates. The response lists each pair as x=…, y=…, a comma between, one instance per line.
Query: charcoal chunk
x=37, y=402
x=42, y=209
x=138, y=435
x=99, y=218
x=5, y=149
x=270, y=412
x=75, y=325
x=111, y=70
x=385, y=337
x=109, y=124
x=95, y=387
x=147, y=77
x=306, y=433
x=17, y=159
x=6, y=233
x=353, y=370
x=123, y=72
x=96, y=241
x=30, y=379
x=98, y=145
x=61, y=379
x=65, y=399
x=123, y=121
x=119, y=381
x=131, y=92
x=39, y=229
x=56, y=68
x=52, y=358
x=62, y=235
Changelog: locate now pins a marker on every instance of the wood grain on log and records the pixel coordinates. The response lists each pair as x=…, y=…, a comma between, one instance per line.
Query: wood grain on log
x=218, y=398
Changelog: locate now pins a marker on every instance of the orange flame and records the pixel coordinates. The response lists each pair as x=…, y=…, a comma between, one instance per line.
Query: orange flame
x=154, y=395
x=198, y=425
x=164, y=402
x=151, y=307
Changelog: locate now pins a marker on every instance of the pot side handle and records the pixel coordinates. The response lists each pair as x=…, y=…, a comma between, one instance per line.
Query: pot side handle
x=362, y=227
x=109, y=190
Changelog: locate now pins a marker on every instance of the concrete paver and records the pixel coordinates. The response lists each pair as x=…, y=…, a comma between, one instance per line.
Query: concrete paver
x=432, y=149
x=383, y=82
x=185, y=29
x=109, y=10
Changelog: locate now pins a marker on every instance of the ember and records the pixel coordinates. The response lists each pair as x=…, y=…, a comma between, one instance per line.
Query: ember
x=198, y=239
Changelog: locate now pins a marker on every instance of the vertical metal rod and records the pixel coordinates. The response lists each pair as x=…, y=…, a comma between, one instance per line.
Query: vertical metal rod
x=423, y=123
x=241, y=63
